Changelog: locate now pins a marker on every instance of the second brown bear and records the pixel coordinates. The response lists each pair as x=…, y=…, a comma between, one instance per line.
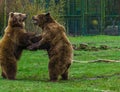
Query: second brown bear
x=57, y=44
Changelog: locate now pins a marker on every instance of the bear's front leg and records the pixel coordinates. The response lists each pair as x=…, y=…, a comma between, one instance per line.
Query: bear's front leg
x=34, y=46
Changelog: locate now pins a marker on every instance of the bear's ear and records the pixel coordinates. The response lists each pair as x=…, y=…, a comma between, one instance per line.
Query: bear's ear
x=11, y=14
x=47, y=14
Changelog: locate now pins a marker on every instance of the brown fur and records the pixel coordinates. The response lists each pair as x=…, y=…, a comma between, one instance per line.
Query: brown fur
x=59, y=47
x=15, y=39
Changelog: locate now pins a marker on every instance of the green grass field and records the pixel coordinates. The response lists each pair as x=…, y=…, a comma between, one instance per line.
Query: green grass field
x=32, y=75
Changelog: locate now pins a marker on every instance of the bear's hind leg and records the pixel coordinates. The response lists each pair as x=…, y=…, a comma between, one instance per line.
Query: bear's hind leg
x=11, y=71
x=53, y=74
x=65, y=74
x=53, y=77
x=3, y=71
x=11, y=74
x=3, y=75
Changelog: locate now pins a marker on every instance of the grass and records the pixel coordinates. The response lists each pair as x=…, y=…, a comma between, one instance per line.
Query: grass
x=33, y=75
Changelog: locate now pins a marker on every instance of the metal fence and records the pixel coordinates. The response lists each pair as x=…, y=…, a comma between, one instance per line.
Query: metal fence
x=91, y=17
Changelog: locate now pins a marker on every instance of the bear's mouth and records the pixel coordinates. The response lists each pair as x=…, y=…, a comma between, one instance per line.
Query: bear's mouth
x=35, y=21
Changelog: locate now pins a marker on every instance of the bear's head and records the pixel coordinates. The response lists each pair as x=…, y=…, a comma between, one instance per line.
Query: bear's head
x=17, y=19
x=42, y=19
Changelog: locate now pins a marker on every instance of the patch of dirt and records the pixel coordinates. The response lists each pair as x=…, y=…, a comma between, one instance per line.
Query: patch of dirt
x=87, y=47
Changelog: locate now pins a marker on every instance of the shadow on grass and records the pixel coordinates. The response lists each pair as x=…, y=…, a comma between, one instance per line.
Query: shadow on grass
x=29, y=79
x=37, y=78
x=72, y=79
x=33, y=78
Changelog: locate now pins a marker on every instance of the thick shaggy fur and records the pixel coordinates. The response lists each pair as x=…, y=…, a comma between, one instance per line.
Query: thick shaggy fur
x=15, y=39
x=59, y=47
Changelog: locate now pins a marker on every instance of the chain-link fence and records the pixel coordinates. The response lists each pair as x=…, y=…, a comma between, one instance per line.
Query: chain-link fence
x=91, y=17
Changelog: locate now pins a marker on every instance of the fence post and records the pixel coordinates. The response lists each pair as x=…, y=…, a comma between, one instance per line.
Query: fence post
x=102, y=22
x=83, y=17
x=5, y=9
x=67, y=17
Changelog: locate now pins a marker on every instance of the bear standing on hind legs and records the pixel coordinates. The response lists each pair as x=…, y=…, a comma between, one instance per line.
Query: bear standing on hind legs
x=59, y=48
x=14, y=40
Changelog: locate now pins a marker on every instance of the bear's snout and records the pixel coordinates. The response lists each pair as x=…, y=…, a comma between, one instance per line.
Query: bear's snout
x=25, y=17
x=34, y=20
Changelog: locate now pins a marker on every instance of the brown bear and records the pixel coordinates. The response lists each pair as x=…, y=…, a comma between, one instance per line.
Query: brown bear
x=59, y=48
x=14, y=40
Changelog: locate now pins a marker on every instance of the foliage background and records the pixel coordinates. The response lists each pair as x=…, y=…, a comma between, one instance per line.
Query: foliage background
x=30, y=7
